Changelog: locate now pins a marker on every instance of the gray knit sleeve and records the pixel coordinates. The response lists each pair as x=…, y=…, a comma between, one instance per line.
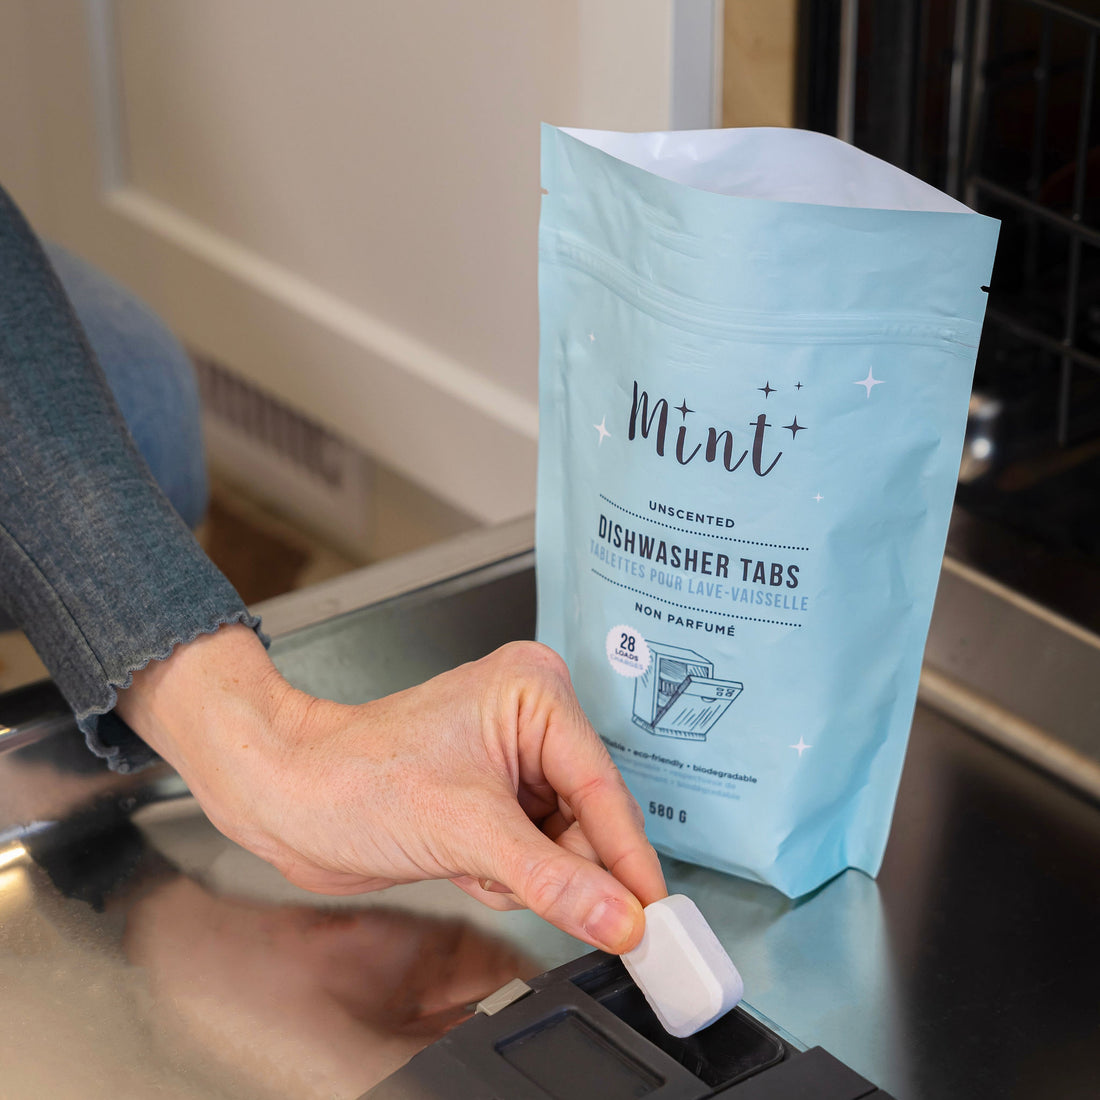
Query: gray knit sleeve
x=95, y=565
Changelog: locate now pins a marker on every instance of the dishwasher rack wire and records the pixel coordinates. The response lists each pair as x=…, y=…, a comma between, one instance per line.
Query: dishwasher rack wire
x=994, y=101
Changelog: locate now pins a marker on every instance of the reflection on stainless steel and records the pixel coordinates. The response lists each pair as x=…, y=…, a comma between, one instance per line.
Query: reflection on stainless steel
x=1031, y=664
x=32, y=712
x=980, y=445
x=969, y=968
x=163, y=960
x=375, y=583
x=1020, y=737
x=13, y=853
x=306, y=1001
x=111, y=953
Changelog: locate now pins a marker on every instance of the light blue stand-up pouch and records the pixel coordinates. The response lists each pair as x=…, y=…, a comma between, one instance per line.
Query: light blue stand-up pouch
x=756, y=355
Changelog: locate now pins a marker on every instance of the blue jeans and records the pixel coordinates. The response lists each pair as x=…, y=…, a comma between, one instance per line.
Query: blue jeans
x=150, y=375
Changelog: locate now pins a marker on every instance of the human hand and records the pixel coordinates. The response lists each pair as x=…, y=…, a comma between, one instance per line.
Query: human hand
x=489, y=775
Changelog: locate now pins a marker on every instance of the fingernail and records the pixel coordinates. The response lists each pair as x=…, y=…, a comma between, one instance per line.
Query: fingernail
x=611, y=924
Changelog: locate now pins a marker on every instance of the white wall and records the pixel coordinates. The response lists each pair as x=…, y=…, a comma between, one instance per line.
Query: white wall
x=337, y=199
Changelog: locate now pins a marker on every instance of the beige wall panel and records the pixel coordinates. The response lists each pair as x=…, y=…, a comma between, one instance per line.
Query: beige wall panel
x=385, y=152
x=382, y=152
x=339, y=200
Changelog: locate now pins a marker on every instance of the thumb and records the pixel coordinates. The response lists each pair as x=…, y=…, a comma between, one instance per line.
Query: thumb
x=573, y=893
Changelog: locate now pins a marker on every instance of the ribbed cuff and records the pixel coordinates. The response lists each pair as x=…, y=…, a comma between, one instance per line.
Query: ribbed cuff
x=108, y=736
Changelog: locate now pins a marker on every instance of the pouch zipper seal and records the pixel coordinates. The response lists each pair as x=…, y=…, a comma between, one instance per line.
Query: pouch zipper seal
x=960, y=337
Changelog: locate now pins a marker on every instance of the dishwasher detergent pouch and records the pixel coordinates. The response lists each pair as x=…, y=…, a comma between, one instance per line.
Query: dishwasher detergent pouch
x=756, y=355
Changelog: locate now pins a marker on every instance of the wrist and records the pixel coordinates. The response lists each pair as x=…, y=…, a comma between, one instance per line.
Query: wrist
x=216, y=709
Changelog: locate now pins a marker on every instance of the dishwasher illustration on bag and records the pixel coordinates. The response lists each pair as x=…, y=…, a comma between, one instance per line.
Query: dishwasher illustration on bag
x=678, y=696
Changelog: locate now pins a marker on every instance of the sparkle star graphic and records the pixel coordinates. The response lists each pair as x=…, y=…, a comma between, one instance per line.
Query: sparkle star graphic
x=801, y=746
x=601, y=427
x=683, y=409
x=819, y=498
x=766, y=389
x=869, y=382
x=795, y=428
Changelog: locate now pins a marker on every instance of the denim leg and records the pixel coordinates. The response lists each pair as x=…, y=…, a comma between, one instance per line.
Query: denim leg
x=150, y=375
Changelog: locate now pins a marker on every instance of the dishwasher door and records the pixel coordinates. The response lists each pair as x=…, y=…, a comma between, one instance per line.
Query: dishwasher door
x=143, y=954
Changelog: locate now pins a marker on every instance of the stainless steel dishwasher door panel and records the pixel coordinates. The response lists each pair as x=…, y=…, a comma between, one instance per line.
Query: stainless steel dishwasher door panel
x=142, y=954
x=970, y=968
x=406, y=640
x=205, y=974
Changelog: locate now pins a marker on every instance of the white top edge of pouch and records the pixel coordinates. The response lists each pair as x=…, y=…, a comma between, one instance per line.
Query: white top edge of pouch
x=682, y=969
x=773, y=163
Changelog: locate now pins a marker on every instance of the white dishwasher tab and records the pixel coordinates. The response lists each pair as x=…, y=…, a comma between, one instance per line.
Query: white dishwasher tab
x=683, y=970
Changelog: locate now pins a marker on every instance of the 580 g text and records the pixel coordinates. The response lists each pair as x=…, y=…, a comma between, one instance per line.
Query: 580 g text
x=669, y=813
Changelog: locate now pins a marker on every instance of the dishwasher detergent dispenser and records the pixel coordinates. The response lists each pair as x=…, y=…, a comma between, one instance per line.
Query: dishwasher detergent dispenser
x=585, y=1032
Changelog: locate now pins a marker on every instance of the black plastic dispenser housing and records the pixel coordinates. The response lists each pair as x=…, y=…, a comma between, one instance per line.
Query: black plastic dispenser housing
x=585, y=1032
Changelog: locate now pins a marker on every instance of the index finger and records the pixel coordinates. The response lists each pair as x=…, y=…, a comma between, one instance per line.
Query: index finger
x=578, y=766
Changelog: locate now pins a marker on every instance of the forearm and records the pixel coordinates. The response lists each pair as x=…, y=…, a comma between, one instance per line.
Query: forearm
x=95, y=565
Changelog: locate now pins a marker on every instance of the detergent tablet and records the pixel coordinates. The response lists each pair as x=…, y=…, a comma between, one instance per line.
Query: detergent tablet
x=684, y=972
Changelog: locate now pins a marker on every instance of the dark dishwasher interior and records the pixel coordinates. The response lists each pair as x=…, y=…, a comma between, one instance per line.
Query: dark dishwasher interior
x=996, y=103
x=728, y=1051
